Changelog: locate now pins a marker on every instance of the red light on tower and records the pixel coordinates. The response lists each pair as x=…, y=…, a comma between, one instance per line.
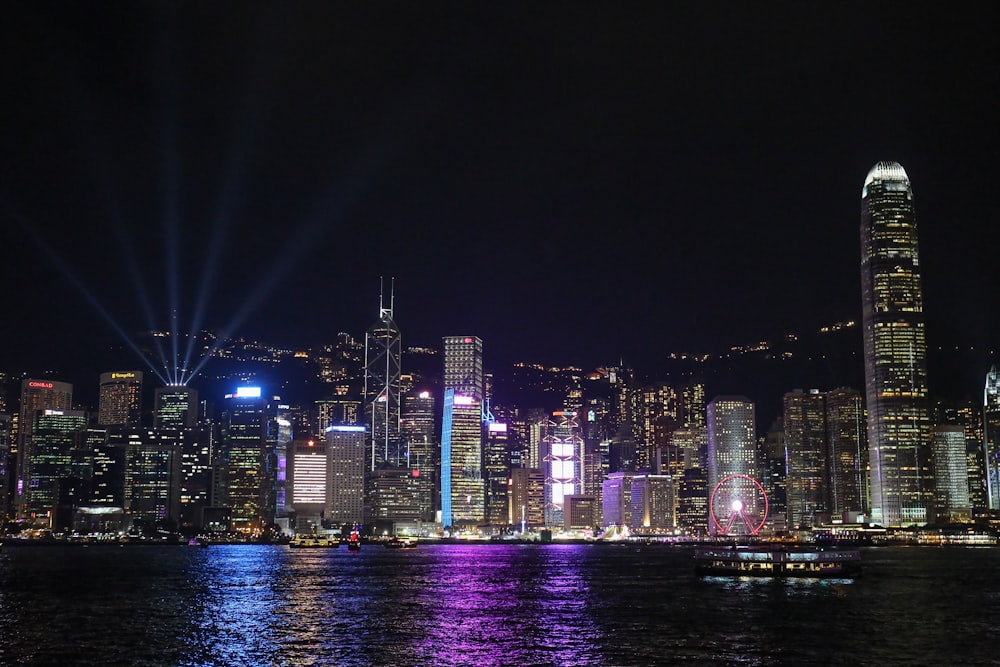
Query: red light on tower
x=468, y=340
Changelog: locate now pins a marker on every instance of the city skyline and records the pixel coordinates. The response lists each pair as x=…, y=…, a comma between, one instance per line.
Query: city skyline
x=573, y=186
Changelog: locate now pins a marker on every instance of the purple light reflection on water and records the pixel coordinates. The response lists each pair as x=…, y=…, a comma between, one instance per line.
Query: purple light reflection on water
x=506, y=605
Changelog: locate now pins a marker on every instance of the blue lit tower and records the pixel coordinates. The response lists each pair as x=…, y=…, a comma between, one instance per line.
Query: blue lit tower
x=899, y=435
x=382, y=388
x=991, y=436
x=463, y=416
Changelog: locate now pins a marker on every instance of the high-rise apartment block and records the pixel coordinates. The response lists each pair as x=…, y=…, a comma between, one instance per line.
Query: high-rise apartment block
x=895, y=351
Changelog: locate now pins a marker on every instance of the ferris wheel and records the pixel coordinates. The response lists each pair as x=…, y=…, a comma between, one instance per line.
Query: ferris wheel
x=738, y=506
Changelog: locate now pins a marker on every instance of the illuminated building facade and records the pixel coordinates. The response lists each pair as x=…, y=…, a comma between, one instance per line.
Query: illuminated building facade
x=6, y=461
x=462, y=491
x=895, y=349
x=991, y=436
x=527, y=499
x=153, y=473
x=562, y=443
x=247, y=462
x=382, y=388
x=951, y=474
x=847, y=438
x=463, y=366
x=805, y=441
x=346, y=459
x=56, y=436
x=36, y=397
x=732, y=450
x=496, y=472
x=419, y=431
x=120, y=399
x=307, y=469
x=175, y=406
x=616, y=499
x=653, y=503
x=400, y=496
x=692, y=501
x=336, y=411
x=197, y=444
x=580, y=512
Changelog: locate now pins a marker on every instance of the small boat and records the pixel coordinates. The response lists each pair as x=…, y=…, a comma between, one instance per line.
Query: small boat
x=769, y=561
x=401, y=543
x=313, y=542
x=354, y=541
x=197, y=542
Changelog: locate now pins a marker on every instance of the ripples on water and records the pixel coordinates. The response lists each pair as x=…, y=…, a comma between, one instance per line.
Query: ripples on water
x=484, y=605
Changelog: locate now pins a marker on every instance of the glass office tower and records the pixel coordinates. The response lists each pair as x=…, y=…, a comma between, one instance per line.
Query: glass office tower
x=895, y=349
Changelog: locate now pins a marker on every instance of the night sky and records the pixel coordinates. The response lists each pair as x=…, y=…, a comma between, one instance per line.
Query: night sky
x=572, y=182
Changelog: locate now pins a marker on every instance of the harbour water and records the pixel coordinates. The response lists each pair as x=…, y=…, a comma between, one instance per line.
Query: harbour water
x=490, y=604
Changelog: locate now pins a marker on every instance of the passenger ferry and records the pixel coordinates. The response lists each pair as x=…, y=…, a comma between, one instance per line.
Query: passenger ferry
x=777, y=561
x=314, y=542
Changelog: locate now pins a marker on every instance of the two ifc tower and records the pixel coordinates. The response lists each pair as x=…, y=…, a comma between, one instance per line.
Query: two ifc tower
x=899, y=423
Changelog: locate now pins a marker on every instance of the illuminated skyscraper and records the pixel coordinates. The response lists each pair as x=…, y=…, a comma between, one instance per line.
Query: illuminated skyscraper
x=55, y=435
x=847, y=440
x=732, y=450
x=247, y=465
x=496, y=472
x=36, y=396
x=991, y=436
x=653, y=503
x=120, y=398
x=153, y=472
x=419, y=431
x=463, y=366
x=462, y=490
x=951, y=474
x=805, y=442
x=346, y=454
x=308, y=470
x=562, y=443
x=382, y=388
x=900, y=465
x=175, y=406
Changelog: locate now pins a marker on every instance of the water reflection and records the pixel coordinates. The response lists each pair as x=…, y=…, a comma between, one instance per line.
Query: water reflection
x=482, y=605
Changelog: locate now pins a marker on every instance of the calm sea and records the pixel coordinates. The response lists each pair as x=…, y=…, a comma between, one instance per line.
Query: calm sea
x=485, y=605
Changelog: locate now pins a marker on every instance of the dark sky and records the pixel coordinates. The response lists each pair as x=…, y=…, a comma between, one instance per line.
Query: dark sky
x=572, y=182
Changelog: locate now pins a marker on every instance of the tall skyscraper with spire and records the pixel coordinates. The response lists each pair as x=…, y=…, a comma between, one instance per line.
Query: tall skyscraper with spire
x=899, y=433
x=991, y=436
x=383, y=348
